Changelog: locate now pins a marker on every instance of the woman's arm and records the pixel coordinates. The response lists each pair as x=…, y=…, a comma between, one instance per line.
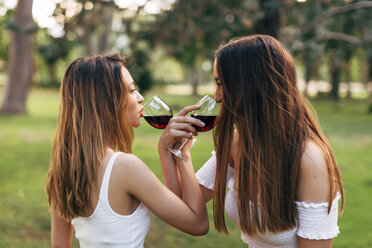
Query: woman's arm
x=187, y=214
x=307, y=243
x=313, y=187
x=176, y=131
x=61, y=233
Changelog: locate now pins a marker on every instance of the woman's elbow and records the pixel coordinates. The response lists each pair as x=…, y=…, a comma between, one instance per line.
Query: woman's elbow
x=204, y=228
x=201, y=228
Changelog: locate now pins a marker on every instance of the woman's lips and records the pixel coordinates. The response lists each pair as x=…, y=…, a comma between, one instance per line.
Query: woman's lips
x=141, y=115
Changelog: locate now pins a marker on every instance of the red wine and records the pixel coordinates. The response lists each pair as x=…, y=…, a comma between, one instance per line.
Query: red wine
x=158, y=121
x=207, y=119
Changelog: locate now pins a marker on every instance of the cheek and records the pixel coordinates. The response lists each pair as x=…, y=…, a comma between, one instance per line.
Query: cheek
x=218, y=94
x=132, y=102
x=132, y=106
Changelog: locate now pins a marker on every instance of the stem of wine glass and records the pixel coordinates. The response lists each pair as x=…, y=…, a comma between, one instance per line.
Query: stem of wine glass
x=183, y=144
x=178, y=152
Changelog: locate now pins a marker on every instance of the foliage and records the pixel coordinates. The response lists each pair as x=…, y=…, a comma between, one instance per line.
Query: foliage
x=191, y=30
x=51, y=50
x=5, y=36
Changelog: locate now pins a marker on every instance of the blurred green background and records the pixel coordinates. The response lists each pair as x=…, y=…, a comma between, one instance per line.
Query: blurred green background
x=25, y=152
x=169, y=45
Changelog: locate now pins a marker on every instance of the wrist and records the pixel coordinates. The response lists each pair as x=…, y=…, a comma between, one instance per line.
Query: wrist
x=162, y=145
x=186, y=154
x=163, y=151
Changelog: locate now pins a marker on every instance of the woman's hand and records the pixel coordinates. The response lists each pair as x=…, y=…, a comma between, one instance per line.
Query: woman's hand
x=178, y=128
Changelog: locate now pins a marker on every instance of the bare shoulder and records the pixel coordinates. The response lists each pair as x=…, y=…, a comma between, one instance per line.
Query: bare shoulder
x=130, y=163
x=235, y=137
x=128, y=159
x=234, y=148
x=129, y=168
x=313, y=185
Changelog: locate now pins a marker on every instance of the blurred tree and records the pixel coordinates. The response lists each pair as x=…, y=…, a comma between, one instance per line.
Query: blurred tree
x=138, y=65
x=334, y=24
x=189, y=32
x=195, y=28
x=369, y=73
x=364, y=18
x=90, y=23
x=5, y=40
x=21, y=67
x=52, y=50
x=310, y=54
x=271, y=16
x=87, y=21
x=340, y=51
x=138, y=52
x=369, y=67
x=350, y=24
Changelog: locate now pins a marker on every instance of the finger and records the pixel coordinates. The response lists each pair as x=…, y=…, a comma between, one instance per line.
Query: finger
x=188, y=109
x=188, y=120
x=184, y=127
x=180, y=134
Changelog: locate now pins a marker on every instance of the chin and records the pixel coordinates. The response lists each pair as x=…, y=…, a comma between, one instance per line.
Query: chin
x=136, y=124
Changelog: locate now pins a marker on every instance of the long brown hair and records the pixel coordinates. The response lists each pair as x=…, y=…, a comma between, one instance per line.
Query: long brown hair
x=261, y=99
x=92, y=117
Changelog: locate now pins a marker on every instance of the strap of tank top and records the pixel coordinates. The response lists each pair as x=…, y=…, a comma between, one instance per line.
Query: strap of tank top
x=103, y=195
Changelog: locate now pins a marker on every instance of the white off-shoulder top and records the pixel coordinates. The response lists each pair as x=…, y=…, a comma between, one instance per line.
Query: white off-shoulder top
x=314, y=222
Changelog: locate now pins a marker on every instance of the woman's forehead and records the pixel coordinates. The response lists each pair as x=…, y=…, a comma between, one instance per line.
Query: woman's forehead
x=215, y=67
x=126, y=75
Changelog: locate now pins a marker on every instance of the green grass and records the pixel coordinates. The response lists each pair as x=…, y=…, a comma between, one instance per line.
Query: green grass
x=25, y=144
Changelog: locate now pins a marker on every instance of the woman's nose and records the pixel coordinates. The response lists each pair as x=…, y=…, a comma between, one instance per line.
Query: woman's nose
x=217, y=96
x=139, y=97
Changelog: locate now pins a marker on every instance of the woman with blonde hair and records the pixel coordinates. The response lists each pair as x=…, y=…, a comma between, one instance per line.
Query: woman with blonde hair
x=282, y=178
x=95, y=185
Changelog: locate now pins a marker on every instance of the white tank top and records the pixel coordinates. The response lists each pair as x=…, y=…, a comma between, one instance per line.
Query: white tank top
x=106, y=228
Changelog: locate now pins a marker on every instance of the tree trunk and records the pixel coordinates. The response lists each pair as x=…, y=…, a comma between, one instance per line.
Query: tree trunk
x=270, y=22
x=193, y=77
x=370, y=100
x=369, y=82
x=307, y=63
x=335, y=69
x=52, y=75
x=107, y=12
x=87, y=40
x=21, y=61
x=335, y=80
x=348, y=80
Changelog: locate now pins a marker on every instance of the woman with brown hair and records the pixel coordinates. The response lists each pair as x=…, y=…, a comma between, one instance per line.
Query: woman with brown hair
x=94, y=184
x=284, y=184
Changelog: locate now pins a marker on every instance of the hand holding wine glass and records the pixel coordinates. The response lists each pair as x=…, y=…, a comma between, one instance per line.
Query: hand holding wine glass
x=180, y=127
x=207, y=114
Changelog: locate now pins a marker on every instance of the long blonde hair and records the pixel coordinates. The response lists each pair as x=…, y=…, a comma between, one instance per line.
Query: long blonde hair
x=261, y=99
x=91, y=118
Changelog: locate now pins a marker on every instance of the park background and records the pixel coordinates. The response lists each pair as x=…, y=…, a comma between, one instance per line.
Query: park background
x=169, y=45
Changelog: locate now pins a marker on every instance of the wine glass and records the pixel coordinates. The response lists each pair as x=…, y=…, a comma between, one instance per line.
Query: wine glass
x=207, y=113
x=156, y=112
